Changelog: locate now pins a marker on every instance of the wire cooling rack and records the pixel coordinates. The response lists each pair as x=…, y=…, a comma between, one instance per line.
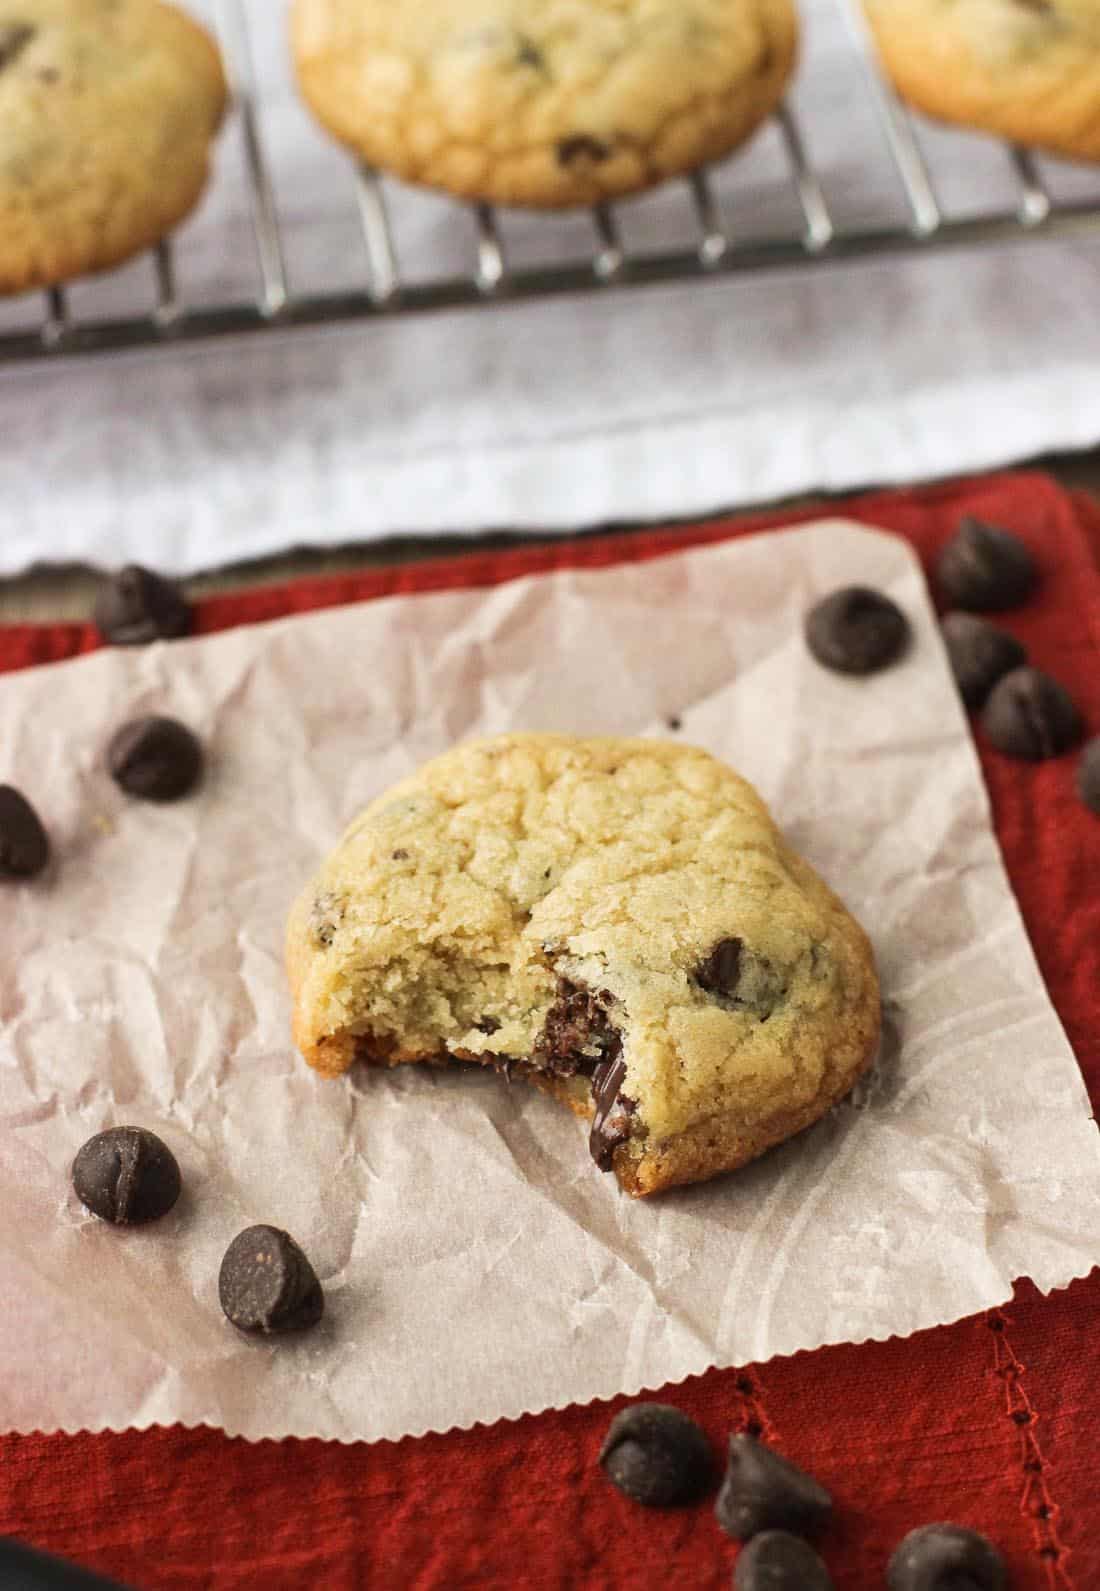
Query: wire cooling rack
x=714, y=251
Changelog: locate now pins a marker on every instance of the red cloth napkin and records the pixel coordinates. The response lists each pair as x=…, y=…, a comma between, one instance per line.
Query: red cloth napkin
x=990, y=1423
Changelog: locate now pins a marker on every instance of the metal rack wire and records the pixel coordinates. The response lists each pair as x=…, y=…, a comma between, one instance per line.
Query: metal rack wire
x=715, y=253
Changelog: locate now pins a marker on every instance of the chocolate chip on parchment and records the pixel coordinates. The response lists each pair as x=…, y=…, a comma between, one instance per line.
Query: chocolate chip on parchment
x=985, y=569
x=764, y=1491
x=856, y=630
x=24, y=843
x=127, y=1176
x=156, y=759
x=581, y=146
x=136, y=606
x=657, y=1455
x=778, y=1561
x=14, y=38
x=720, y=969
x=1030, y=716
x=946, y=1558
x=980, y=654
x=266, y=1284
x=1088, y=776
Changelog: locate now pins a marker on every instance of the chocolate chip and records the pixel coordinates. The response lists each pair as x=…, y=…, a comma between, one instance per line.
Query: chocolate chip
x=487, y=1025
x=136, y=606
x=1088, y=776
x=399, y=855
x=24, y=843
x=156, y=759
x=979, y=654
x=581, y=146
x=946, y=1558
x=720, y=969
x=657, y=1455
x=127, y=1176
x=1029, y=715
x=985, y=569
x=856, y=630
x=763, y=1491
x=674, y=723
x=777, y=1561
x=529, y=54
x=266, y=1284
x=14, y=38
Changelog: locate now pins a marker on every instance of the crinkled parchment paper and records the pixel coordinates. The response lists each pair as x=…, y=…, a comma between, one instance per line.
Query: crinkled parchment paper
x=475, y=1262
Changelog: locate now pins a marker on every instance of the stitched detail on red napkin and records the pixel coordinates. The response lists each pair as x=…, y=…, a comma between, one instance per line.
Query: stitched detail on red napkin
x=989, y=1422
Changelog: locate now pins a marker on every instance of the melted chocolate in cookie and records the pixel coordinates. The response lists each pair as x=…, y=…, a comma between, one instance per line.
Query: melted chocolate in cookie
x=580, y=1038
x=578, y=1033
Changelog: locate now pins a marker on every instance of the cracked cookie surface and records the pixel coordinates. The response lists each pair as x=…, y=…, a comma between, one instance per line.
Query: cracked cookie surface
x=618, y=921
x=543, y=102
x=1025, y=70
x=107, y=113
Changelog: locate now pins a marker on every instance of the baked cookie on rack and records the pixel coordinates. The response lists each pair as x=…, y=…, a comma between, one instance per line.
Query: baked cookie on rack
x=617, y=921
x=1025, y=70
x=107, y=112
x=543, y=102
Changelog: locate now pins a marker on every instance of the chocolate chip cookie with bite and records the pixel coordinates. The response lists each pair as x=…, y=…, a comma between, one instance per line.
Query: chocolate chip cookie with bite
x=618, y=921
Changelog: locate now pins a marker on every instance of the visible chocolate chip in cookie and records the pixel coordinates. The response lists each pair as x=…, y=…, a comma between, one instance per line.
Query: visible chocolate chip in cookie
x=529, y=54
x=127, y=1176
x=720, y=969
x=24, y=843
x=581, y=146
x=856, y=630
x=764, y=1491
x=946, y=1558
x=14, y=38
x=1030, y=716
x=136, y=606
x=155, y=759
x=980, y=654
x=985, y=569
x=266, y=1284
x=657, y=1455
x=778, y=1561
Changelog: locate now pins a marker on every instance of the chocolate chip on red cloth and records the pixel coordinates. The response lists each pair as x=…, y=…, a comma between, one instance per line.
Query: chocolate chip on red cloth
x=24, y=843
x=657, y=1455
x=136, y=606
x=156, y=759
x=856, y=630
x=946, y=1558
x=127, y=1176
x=985, y=569
x=266, y=1284
x=1088, y=776
x=778, y=1561
x=764, y=1491
x=1030, y=716
x=980, y=654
